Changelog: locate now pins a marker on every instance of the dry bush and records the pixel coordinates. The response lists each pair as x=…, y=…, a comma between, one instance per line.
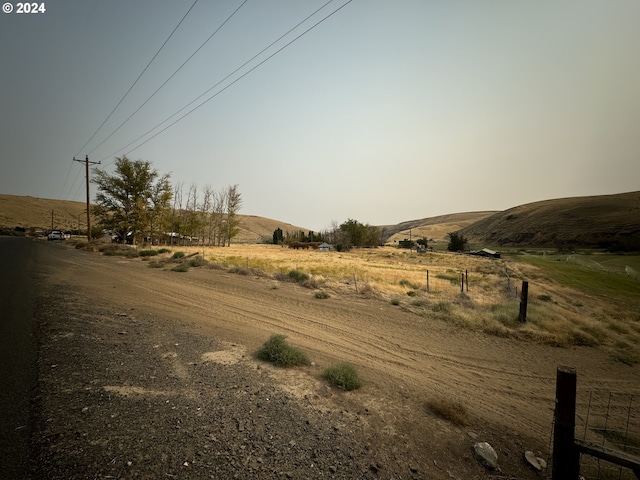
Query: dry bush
x=454, y=412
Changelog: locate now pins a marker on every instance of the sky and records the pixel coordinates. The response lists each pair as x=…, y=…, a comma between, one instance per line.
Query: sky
x=385, y=111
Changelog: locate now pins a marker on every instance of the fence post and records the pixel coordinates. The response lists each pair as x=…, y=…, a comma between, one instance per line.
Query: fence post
x=566, y=458
x=524, y=297
x=466, y=277
x=461, y=283
x=428, y=291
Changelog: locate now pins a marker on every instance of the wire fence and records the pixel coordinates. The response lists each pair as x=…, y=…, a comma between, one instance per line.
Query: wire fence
x=612, y=421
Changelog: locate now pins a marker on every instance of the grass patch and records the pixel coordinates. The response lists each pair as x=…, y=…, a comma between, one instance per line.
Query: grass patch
x=164, y=250
x=395, y=301
x=178, y=255
x=406, y=283
x=321, y=294
x=343, y=375
x=625, y=353
x=298, y=276
x=277, y=351
x=183, y=267
x=156, y=264
x=197, y=261
x=442, y=307
x=148, y=253
x=454, y=412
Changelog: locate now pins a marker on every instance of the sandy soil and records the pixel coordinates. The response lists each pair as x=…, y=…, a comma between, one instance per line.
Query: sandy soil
x=130, y=354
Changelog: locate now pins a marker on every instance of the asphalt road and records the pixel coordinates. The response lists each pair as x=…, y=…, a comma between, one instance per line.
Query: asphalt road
x=19, y=287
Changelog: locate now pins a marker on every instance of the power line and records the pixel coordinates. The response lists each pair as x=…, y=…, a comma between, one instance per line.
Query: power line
x=219, y=82
x=136, y=80
x=172, y=75
x=229, y=85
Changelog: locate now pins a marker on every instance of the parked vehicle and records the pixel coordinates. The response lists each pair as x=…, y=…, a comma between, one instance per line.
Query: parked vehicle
x=56, y=235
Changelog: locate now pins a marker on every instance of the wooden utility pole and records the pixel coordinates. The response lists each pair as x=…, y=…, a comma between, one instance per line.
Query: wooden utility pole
x=86, y=165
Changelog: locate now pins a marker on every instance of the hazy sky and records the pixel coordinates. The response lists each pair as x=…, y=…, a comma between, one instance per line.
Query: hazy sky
x=385, y=112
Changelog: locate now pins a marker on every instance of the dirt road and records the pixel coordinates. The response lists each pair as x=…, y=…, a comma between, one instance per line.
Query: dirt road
x=506, y=385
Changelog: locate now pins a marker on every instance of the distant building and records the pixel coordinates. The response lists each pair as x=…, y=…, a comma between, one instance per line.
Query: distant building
x=324, y=246
x=485, y=252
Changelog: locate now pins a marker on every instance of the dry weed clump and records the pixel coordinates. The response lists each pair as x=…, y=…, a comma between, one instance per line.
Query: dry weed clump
x=452, y=411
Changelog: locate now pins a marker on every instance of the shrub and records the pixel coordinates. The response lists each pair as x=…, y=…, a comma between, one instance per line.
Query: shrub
x=545, y=298
x=395, y=301
x=164, y=250
x=183, y=267
x=321, y=294
x=442, y=307
x=156, y=264
x=454, y=412
x=196, y=261
x=411, y=293
x=277, y=351
x=343, y=376
x=178, y=255
x=148, y=253
x=298, y=276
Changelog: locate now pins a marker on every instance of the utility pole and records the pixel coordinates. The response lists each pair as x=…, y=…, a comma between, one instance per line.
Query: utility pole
x=86, y=165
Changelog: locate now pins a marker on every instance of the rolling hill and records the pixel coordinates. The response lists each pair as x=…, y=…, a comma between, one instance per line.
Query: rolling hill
x=435, y=228
x=608, y=221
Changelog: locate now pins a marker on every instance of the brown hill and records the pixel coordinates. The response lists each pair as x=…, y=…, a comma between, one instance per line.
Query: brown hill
x=609, y=221
x=46, y=214
x=435, y=228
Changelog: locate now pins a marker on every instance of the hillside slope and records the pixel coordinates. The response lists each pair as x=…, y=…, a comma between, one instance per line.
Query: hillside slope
x=435, y=228
x=596, y=221
x=45, y=214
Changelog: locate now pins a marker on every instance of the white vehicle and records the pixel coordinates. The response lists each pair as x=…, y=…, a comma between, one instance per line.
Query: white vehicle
x=56, y=235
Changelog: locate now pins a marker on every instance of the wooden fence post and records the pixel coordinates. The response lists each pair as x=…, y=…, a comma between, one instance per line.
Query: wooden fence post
x=466, y=277
x=566, y=457
x=428, y=291
x=461, y=283
x=524, y=298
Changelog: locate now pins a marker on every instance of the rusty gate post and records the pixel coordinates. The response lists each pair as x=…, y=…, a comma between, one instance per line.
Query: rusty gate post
x=566, y=457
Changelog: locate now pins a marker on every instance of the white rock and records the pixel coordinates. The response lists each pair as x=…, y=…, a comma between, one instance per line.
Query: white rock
x=532, y=460
x=486, y=455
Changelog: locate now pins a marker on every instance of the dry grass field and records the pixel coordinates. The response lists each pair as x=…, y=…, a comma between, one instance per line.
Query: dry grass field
x=571, y=303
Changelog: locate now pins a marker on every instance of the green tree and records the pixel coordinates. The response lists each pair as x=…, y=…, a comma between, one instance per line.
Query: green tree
x=355, y=234
x=123, y=200
x=233, y=203
x=457, y=242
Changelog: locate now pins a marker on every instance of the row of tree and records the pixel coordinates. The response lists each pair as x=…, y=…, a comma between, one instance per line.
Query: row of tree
x=137, y=203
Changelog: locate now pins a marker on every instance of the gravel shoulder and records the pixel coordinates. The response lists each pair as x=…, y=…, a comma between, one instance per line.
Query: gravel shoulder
x=148, y=373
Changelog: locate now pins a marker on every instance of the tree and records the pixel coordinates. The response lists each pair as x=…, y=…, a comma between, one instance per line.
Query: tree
x=158, y=211
x=457, y=242
x=123, y=199
x=234, y=202
x=423, y=241
x=355, y=234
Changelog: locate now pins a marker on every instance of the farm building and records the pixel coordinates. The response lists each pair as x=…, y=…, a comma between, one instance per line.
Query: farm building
x=485, y=252
x=324, y=246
